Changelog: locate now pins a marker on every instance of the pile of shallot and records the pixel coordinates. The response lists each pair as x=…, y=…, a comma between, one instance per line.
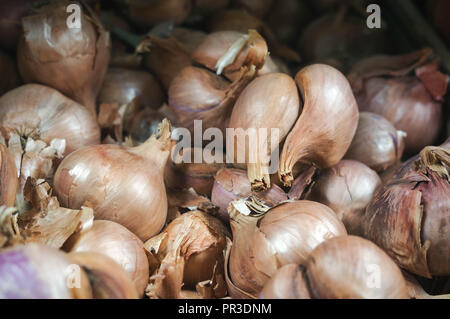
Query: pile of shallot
x=220, y=149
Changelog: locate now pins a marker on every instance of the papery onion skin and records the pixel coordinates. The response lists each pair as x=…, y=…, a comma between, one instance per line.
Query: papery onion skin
x=269, y=102
x=409, y=216
x=407, y=105
x=231, y=184
x=118, y=243
x=195, y=242
x=123, y=184
x=73, y=61
x=327, y=124
x=40, y=111
x=35, y=271
x=122, y=86
x=286, y=234
x=181, y=201
x=9, y=180
x=108, y=279
x=376, y=143
x=352, y=267
x=287, y=283
x=347, y=188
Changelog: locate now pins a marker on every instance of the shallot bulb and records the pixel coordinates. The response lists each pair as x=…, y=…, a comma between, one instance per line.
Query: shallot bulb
x=269, y=105
x=198, y=94
x=325, y=128
x=36, y=271
x=350, y=267
x=287, y=283
x=231, y=184
x=123, y=86
x=412, y=103
x=228, y=51
x=119, y=244
x=409, y=216
x=242, y=21
x=41, y=112
x=286, y=234
x=107, y=278
x=189, y=251
x=71, y=60
x=121, y=184
x=376, y=143
x=347, y=189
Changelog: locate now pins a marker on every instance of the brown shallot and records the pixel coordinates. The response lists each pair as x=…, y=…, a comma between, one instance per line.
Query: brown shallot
x=71, y=60
x=325, y=128
x=40, y=112
x=359, y=269
x=116, y=242
x=123, y=86
x=265, y=239
x=405, y=89
x=347, y=189
x=266, y=111
x=376, y=143
x=122, y=184
x=107, y=278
